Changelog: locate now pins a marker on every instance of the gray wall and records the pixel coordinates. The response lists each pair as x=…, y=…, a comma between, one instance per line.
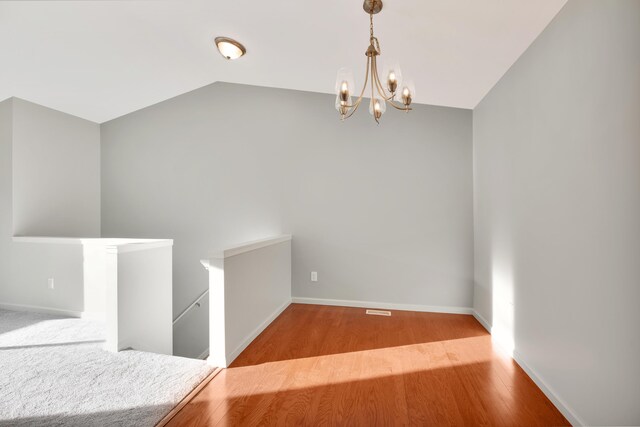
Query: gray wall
x=557, y=208
x=6, y=224
x=56, y=173
x=383, y=213
x=49, y=185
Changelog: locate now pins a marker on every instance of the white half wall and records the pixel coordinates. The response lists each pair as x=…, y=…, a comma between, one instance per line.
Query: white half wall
x=249, y=286
x=557, y=211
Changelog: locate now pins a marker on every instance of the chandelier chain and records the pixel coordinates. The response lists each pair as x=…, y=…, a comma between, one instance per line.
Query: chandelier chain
x=372, y=39
x=371, y=24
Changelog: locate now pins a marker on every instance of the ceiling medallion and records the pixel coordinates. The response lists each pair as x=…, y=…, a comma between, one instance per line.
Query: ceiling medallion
x=379, y=95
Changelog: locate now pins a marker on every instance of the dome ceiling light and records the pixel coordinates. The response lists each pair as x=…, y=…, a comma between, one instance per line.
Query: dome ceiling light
x=379, y=95
x=229, y=48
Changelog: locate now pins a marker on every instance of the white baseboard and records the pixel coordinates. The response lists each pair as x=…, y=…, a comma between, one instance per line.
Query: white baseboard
x=384, y=305
x=257, y=331
x=568, y=413
x=38, y=309
x=482, y=321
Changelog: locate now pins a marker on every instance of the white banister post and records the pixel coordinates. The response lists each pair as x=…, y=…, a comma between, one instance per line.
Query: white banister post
x=217, y=334
x=111, y=291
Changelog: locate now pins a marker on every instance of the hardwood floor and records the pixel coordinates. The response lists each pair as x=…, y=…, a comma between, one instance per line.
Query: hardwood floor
x=321, y=365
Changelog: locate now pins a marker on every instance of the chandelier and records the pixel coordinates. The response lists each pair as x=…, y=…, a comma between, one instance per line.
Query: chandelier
x=380, y=95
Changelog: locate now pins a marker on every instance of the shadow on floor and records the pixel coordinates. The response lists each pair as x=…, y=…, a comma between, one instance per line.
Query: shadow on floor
x=146, y=416
x=13, y=320
x=19, y=347
x=316, y=330
x=464, y=394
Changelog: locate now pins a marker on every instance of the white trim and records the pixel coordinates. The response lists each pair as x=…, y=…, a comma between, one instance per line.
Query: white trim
x=38, y=309
x=384, y=305
x=257, y=331
x=143, y=245
x=49, y=240
x=204, y=355
x=482, y=321
x=568, y=413
x=121, y=245
x=249, y=246
x=93, y=315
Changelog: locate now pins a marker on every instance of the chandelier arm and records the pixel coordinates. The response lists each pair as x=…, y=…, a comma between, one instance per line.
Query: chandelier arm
x=364, y=86
x=403, y=108
x=393, y=103
x=381, y=89
x=373, y=67
x=390, y=98
x=383, y=93
x=366, y=79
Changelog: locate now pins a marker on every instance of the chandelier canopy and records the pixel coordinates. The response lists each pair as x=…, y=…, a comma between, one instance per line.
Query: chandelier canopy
x=380, y=95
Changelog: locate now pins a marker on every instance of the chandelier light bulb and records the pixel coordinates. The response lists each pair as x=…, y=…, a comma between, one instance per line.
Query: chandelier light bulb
x=408, y=93
x=406, y=96
x=377, y=107
x=342, y=107
x=392, y=82
x=344, y=92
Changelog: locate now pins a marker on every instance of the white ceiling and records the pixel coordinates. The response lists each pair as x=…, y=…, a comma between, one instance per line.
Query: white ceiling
x=102, y=59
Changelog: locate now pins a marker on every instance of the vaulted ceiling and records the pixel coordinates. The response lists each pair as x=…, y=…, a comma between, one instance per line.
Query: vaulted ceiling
x=102, y=59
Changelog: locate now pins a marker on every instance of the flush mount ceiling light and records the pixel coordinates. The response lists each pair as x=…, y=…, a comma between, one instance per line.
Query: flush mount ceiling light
x=379, y=95
x=229, y=48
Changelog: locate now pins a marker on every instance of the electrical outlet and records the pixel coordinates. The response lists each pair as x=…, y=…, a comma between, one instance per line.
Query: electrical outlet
x=51, y=284
x=314, y=276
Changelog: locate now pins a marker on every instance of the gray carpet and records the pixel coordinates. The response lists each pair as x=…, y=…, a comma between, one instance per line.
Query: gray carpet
x=54, y=372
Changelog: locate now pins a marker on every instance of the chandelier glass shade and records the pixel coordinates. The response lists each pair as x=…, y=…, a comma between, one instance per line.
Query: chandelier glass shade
x=395, y=91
